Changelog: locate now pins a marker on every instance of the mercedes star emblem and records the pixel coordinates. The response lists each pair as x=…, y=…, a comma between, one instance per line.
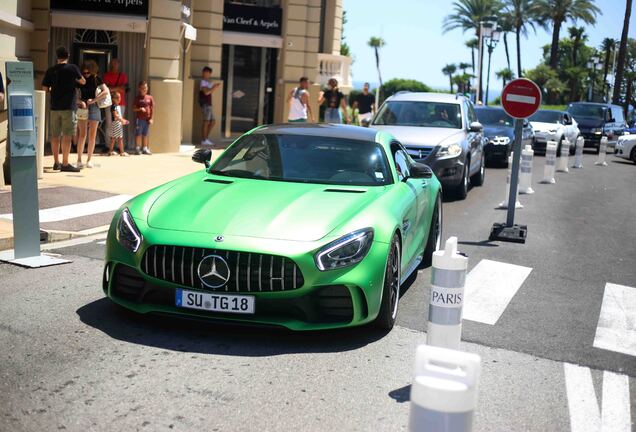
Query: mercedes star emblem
x=213, y=271
x=219, y=238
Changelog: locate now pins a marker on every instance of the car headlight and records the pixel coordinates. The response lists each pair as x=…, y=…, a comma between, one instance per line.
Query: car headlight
x=501, y=140
x=450, y=150
x=597, y=131
x=127, y=233
x=346, y=251
x=552, y=131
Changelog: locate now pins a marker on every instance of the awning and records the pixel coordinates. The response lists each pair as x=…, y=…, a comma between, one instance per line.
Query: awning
x=252, y=39
x=100, y=21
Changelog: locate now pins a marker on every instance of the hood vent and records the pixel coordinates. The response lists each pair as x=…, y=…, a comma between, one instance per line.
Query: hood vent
x=345, y=190
x=211, y=180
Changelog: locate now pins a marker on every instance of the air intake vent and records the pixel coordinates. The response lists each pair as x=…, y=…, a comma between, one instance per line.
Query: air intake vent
x=345, y=190
x=210, y=180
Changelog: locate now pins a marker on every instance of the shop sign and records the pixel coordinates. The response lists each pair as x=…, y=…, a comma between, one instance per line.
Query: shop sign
x=125, y=7
x=252, y=19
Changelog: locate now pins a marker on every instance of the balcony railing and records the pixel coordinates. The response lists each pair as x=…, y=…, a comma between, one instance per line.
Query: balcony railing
x=334, y=66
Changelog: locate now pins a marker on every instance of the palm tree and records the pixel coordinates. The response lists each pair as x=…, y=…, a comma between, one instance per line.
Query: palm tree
x=578, y=37
x=463, y=66
x=473, y=44
x=505, y=22
x=523, y=16
x=376, y=43
x=468, y=15
x=622, y=50
x=607, y=48
x=553, y=13
x=505, y=75
x=449, y=70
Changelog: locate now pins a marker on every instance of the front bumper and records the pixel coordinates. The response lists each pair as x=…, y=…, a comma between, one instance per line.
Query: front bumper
x=447, y=169
x=497, y=152
x=331, y=299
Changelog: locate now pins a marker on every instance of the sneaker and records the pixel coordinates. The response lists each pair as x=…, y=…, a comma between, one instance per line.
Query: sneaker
x=146, y=151
x=89, y=164
x=57, y=166
x=80, y=165
x=137, y=151
x=69, y=168
x=207, y=141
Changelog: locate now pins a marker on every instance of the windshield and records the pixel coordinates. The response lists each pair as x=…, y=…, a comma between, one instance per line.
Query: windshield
x=493, y=117
x=546, y=117
x=583, y=110
x=421, y=114
x=306, y=159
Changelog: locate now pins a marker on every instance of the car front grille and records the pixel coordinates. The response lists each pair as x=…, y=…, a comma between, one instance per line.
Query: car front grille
x=419, y=152
x=249, y=272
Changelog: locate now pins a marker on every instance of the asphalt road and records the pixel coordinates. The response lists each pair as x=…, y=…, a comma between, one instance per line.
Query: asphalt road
x=72, y=360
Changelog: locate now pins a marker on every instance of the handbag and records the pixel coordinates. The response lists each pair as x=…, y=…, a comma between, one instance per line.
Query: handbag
x=82, y=113
x=104, y=103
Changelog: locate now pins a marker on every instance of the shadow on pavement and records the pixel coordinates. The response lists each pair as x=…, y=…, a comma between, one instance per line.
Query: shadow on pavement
x=186, y=335
x=485, y=243
x=402, y=394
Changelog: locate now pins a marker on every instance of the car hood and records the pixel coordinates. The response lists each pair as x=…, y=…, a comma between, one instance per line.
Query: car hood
x=258, y=208
x=589, y=122
x=422, y=136
x=543, y=126
x=496, y=130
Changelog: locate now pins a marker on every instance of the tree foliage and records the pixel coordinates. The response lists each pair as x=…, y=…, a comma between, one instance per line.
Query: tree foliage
x=398, y=84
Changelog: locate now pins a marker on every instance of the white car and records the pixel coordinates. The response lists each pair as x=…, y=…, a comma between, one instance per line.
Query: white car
x=550, y=125
x=626, y=147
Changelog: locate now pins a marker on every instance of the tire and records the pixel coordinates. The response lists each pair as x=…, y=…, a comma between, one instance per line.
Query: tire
x=461, y=190
x=478, y=179
x=391, y=288
x=632, y=155
x=434, y=238
x=559, y=147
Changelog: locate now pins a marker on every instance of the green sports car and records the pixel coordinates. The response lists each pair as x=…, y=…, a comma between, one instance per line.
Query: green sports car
x=302, y=226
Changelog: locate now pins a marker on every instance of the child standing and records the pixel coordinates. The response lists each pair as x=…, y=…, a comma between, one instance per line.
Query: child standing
x=144, y=107
x=116, y=131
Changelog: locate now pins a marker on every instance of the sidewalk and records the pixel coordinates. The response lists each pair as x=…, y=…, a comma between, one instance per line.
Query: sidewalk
x=114, y=175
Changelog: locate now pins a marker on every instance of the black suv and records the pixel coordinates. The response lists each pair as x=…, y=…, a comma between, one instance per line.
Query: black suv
x=596, y=120
x=499, y=129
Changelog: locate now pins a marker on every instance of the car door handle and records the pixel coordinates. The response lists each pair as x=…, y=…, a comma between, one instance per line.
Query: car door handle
x=424, y=184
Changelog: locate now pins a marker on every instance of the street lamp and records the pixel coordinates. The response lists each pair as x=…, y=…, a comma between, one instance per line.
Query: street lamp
x=593, y=64
x=486, y=29
x=493, y=40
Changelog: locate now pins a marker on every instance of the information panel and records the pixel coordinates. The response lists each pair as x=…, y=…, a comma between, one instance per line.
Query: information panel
x=20, y=99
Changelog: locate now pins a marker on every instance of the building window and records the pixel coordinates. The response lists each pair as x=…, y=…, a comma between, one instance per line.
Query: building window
x=95, y=37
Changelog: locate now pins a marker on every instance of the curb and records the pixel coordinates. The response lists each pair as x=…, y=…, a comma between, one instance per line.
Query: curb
x=53, y=236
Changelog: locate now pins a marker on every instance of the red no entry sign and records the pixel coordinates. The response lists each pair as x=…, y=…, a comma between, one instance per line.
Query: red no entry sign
x=521, y=98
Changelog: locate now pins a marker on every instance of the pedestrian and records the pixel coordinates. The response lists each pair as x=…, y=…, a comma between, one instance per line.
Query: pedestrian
x=117, y=81
x=61, y=80
x=335, y=101
x=91, y=93
x=144, y=108
x=1, y=92
x=116, y=130
x=354, y=113
x=366, y=103
x=206, y=88
x=298, y=100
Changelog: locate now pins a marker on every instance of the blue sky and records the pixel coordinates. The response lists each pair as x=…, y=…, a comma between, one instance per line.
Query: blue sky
x=416, y=47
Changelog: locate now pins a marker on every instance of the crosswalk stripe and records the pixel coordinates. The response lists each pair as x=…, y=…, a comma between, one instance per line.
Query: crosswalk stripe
x=616, y=329
x=585, y=415
x=71, y=211
x=489, y=288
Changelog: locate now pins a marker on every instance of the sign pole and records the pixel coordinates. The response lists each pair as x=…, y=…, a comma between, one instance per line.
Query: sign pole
x=514, y=178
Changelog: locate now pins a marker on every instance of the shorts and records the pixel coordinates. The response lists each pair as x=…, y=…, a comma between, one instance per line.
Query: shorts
x=116, y=129
x=62, y=122
x=206, y=111
x=94, y=113
x=141, y=127
x=301, y=120
x=333, y=115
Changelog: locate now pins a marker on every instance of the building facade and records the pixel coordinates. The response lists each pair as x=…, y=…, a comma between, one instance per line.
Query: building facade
x=257, y=49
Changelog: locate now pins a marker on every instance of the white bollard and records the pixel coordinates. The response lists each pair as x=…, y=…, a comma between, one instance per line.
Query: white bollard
x=578, y=155
x=550, y=162
x=525, y=171
x=564, y=160
x=447, y=297
x=602, y=153
x=504, y=203
x=444, y=390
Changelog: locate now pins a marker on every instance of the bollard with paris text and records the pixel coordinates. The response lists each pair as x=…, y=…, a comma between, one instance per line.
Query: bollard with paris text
x=602, y=152
x=578, y=155
x=564, y=160
x=525, y=171
x=447, y=296
x=444, y=390
x=504, y=203
x=550, y=162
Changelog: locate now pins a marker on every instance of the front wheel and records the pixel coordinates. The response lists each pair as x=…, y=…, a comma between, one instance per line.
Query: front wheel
x=632, y=155
x=434, y=238
x=391, y=288
x=478, y=179
x=461, y=190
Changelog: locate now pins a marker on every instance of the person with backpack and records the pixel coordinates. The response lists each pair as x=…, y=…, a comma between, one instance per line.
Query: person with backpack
x=298, y=100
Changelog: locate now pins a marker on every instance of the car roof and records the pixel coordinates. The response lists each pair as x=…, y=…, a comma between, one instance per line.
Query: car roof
x=427, y=97
x=595, y=104
x=552, y=110
x=320, y=129
x=489, y=108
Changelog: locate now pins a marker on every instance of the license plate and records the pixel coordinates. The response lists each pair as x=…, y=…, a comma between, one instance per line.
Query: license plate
x=215, y=302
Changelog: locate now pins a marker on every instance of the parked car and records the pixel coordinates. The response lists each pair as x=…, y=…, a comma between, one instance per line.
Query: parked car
x=626, y=147
x=302, y=226
x=553, y=125
x=596, y=120
x=499, y=129
x=439, y=130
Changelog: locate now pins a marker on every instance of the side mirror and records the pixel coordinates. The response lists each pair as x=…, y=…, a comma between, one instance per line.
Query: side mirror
x=526, y=123
x=365, y=122
x=421, y=171
x=475, y=127
x=202, y=156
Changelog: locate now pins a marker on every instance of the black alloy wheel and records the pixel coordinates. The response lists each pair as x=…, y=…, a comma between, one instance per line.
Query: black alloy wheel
x=478, y=179
x=391, y=289
x=461, y=190
x=632, y=155
x=434, y=238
